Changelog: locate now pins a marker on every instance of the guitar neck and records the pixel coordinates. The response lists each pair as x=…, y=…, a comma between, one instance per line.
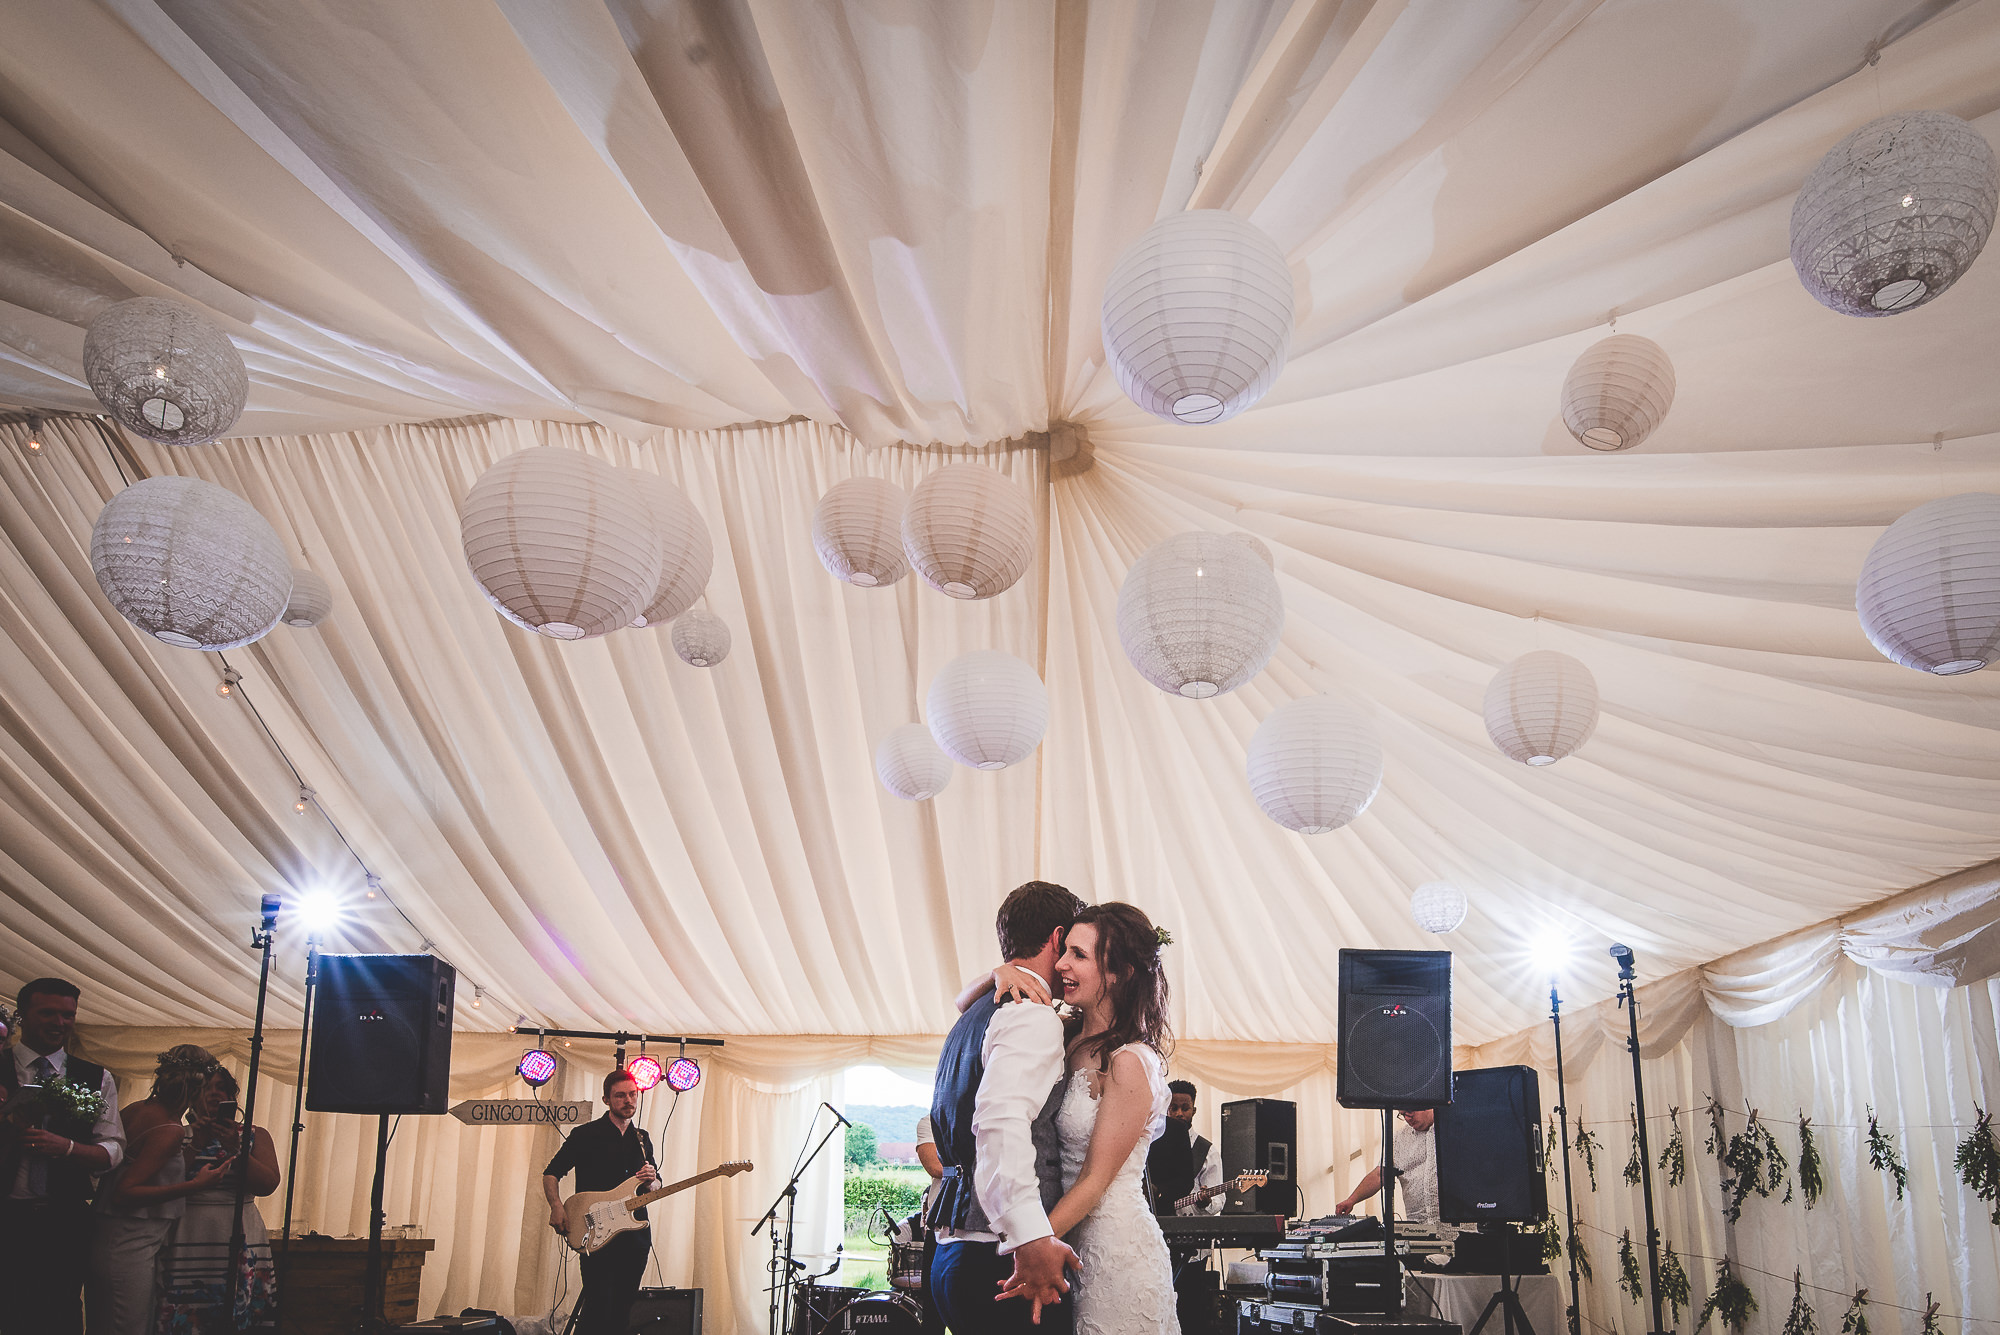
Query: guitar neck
x=648, y=1197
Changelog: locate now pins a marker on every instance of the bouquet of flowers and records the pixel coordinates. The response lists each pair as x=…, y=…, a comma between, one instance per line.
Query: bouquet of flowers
x=60, y=1098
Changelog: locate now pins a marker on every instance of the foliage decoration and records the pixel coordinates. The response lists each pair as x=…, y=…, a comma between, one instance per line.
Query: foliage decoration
x=1812, y=1173
x=78, y=1102
x=1800, y=1320
x=1855, y=1322
x=1978, y=1161
x=1883, y=1156
x=1674, y=1283
x=1752, y=1161
x=1718, y=1138
x=1551, y=1148
x=1635, y=1167
x=1629, y=1278
x=1578, y=1254
x=1587, y=1146
x=1673, y=1158
x=1931, y=1326
x=1552, y=1239
x=1730, y=1299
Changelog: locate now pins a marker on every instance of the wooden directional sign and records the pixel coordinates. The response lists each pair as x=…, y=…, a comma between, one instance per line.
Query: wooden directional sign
x=521, y=1112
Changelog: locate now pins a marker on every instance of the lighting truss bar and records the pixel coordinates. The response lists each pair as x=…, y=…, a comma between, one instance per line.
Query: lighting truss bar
x=618, y=1036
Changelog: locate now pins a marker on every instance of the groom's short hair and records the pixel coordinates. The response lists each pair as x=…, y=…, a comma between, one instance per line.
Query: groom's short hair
x=1030, y=913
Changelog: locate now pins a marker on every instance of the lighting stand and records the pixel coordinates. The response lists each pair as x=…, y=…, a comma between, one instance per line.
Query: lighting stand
x=298, y=1113
x=246, y=1141
x=371, y=1284
x=1628, y=998
x=1575, y=1313
x=782, y=1263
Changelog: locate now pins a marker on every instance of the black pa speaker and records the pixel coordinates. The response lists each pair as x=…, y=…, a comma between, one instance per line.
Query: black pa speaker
x=666, y=1312
x=1489, y=1161
x=1395, y=1029
x=1257, y=1137
x=381, y=1034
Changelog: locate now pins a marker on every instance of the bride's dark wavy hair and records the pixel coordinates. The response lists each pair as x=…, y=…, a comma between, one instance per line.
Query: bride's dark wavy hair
x=1128, y=946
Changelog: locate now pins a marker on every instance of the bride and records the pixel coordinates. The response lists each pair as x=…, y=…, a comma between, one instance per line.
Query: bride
x=1113, y=1106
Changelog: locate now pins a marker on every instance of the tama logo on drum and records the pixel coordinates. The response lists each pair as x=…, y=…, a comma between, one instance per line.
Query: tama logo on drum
x=868, y=1318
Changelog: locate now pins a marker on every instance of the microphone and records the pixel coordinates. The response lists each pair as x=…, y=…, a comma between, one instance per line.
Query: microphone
x=837, y=1117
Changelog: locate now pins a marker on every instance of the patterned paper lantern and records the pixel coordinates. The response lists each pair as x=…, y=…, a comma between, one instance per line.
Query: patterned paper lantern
x=1929, y=593
x=164, y=371
x=910, y=765
x=987, y=709
x=190, y=563
x=969, y=531
x=1314, y=765
x=1198, y=316
x=561, y=543
x=1618, y=392
x=700, y=638
x=311, y=601
x=1438, y=907
x=1895, y=213
x=858, y=531
x=686, y=556
x=1199, y=614
x=1541, y=707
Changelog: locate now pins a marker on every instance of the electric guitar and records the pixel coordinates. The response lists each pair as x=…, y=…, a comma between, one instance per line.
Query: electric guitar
x=1241, y=1182
x=596, y=1217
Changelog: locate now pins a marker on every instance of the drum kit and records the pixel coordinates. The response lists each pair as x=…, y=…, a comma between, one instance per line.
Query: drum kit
x=827, y=1309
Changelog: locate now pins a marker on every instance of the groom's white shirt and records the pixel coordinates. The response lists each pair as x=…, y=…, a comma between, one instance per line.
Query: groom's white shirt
x=1023, y=1057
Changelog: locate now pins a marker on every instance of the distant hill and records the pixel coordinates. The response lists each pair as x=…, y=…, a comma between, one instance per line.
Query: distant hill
x=893, y=1125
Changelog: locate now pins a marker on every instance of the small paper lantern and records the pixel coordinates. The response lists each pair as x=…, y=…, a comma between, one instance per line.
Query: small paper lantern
x=561, y=543
x=1541, y=707
x=858, y=531
x=311, y=601
x=687, y=558
x=1438, y=907
x=190, y=563
x=969, y=531
x=1198, y=316
x=1894, y=213
x=1618, y=392
x=1314, y=765
x=1929, y=593
x=910, y=765
x=987, y=709
x=164, y=371
x=1255, y=544
x=700, y=638
x=1199, y=614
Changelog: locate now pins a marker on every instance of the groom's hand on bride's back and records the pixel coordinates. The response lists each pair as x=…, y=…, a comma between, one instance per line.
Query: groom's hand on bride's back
x=1038, y=1273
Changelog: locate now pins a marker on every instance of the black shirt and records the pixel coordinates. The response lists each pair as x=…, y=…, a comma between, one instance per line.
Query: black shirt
x=601, y=1156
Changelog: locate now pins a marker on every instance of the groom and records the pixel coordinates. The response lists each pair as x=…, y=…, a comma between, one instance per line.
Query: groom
x=999, y=1083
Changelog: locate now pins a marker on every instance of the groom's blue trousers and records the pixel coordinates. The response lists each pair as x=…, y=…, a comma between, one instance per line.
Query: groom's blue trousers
x=964, y=1281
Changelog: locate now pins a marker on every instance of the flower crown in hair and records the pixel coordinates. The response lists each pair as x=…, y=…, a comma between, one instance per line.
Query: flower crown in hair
x=167, y=1061
x=1166, y=937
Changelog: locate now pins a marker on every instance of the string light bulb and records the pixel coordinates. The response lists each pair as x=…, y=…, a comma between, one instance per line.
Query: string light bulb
x=305, y=800
x=34, y=435
x=227, y=686
x=478, y=995
x=374, y=885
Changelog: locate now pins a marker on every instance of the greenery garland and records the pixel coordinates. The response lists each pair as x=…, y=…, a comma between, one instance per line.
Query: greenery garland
x=1718, y=1139
x=1812, y=1173
x=1856, y=1320
x=1931, y=1326
x=1882, y=1155
x=1552, y=1239
x=1674, y=1283
x=1730, y=1299
x=1629, y=1278
x=1587, y=1146
x=1752, y=1161
x=1635, y=1167
x=1673, y=1158
x=1800, y=1320
x=1978, y=1161
x=1551, y=1148
x=1578, y=1255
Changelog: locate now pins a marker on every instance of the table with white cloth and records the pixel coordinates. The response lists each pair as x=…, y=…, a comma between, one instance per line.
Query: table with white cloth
x=1461, y=1298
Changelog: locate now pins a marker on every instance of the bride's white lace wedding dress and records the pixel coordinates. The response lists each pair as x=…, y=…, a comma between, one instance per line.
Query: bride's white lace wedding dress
x=1127, y=1285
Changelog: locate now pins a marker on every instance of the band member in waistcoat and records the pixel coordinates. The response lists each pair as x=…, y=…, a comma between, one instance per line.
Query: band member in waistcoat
x=993, y=1110
x=50, y=1156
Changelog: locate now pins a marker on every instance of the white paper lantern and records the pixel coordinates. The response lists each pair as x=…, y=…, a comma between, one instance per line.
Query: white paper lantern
x=1929, y=593
x=858, y=531
x=700, y=638
x=190, y=563
x=1618, y=392
x=969, y=531
x=561, y=543
x=1199, y=614
x=164, y=371
x=1256, y=545
x=311, y=601
x=687, y=558
x=1541, y=707
x=1314, y=765
x=1198, y=316
x=987, y=709
x=1438, y=907
x=1895, y=213
x=910, y=765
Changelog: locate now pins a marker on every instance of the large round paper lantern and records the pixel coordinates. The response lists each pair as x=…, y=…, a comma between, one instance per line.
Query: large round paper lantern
x=969, y=531
x=164, y=371
x=311, y=601
x=1895, y=213
x=686, y=556
x=190, y=563
x=1618, y=391
x=700, y=638
x=1314, y=765
x=561, y=543
x=858, y=531
x=1438, y=907
x=910, y=765
x=987, y=709
x=1198, y=316
x=1929, y=593
x=1541, y=707
x=1199, y=614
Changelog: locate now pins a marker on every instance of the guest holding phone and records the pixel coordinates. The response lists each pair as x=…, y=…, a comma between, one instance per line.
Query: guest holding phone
x=197, y=1263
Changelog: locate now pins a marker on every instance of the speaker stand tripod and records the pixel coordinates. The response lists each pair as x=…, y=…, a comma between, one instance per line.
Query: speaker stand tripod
x=1507, y=1301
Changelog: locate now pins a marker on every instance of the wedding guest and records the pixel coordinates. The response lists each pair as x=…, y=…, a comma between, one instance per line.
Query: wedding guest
x=195, y=1294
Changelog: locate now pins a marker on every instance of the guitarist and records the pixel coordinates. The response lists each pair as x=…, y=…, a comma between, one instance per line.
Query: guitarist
x=604, y=1153
x=1179, y=1164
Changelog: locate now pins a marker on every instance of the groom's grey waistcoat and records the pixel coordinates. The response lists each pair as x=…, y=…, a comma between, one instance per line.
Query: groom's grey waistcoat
x=960, y=1067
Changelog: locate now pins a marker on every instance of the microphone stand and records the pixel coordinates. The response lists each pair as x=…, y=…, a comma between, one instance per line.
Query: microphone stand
x=782, y=1263
x=1628, y=998
x=1569, y=1200
x=246, y=1142
x=298, y=1113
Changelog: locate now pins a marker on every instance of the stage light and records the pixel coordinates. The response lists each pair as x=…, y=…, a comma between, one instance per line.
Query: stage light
x=1550, y=951
x=537, y=1066
x=683, y=1075
x=319, y=911
x=645, y=1071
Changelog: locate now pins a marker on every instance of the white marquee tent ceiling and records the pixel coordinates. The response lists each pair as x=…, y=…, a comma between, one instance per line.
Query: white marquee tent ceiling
x=885, y=224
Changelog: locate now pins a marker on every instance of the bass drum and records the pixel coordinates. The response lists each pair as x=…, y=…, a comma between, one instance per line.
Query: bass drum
x=878, y=1314
x=813, y=1306
x=906, y=1265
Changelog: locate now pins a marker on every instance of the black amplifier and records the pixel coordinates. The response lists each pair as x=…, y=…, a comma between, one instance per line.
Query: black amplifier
x=1343, y=1284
